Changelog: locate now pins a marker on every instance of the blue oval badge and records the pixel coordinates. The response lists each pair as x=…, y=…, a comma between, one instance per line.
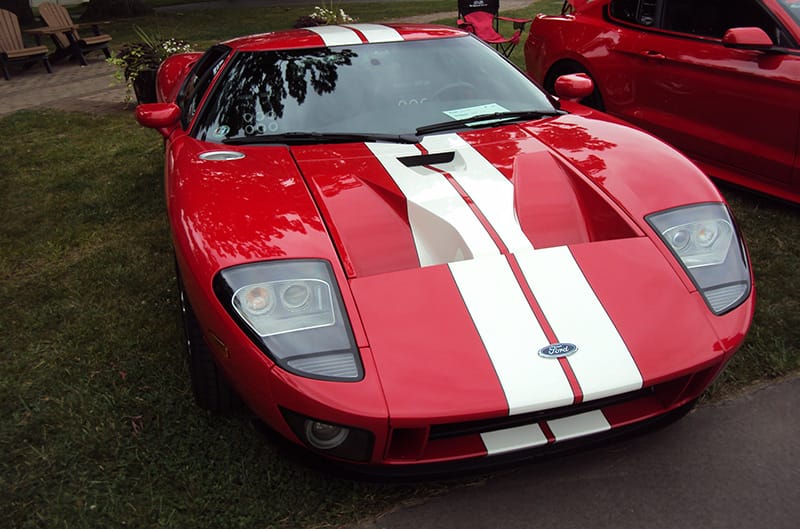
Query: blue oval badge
x=558, y=350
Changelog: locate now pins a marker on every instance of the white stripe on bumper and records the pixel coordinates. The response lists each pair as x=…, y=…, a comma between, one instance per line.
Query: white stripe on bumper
x=579, y=425
x=501, y=441
x=531, y=435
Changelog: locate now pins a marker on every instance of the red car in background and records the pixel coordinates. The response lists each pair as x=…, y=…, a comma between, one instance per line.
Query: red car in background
x=718, y=79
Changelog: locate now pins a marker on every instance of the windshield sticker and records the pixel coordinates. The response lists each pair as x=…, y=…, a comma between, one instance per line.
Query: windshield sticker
x=469, y=112
x=222, y=131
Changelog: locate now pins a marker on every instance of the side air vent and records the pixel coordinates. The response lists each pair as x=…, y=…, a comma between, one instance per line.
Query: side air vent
x=427, y=159
x=221, y=156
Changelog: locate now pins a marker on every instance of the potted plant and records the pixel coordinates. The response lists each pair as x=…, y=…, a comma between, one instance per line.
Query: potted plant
x=324, y=15
x=138, y=62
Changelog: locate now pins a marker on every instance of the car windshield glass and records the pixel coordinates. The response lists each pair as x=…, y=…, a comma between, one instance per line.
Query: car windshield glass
x=381, y=89
x=793, y=8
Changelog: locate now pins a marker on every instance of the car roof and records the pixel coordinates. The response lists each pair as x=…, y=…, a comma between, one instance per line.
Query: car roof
x=350, y=34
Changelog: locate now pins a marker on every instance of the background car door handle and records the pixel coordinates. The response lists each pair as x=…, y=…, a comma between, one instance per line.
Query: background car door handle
x=652, y=54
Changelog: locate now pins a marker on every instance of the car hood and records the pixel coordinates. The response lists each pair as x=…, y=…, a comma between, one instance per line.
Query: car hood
x=456, y=197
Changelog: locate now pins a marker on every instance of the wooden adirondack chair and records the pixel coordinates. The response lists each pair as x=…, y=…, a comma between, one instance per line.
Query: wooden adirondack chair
x=12, y=47
x=68, y=41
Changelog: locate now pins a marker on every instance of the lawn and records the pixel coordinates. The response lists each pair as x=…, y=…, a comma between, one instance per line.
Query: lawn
x=97, y=424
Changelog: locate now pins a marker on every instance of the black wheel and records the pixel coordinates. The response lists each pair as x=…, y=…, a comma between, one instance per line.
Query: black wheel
x=210, y=388
x=595, y=100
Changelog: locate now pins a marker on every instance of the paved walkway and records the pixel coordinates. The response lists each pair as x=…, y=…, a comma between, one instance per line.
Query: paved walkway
x=92, y=88
x=728, y=465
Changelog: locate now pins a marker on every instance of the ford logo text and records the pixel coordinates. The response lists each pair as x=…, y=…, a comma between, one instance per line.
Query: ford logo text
x=558, y=350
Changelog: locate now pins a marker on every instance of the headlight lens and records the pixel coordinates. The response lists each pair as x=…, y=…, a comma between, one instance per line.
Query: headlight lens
x=294, y=312
x=704, y=239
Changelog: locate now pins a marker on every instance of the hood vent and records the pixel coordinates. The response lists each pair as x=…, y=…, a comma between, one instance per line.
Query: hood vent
x=427, y=159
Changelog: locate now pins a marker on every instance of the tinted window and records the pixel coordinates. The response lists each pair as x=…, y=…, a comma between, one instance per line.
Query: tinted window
x=198, y=80
x=793, y=8
x=712, y=18
x=642, y=12
x=390, y=88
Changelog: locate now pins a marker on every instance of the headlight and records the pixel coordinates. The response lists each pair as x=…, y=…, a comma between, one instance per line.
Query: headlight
x=294, y=312
x=705, y=241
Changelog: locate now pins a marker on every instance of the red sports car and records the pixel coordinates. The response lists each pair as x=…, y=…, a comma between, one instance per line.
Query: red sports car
x=720, y=80
x=399, y=251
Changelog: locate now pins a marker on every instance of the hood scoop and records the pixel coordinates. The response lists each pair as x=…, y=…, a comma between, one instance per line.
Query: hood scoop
x=556, y=207
x=427, y=159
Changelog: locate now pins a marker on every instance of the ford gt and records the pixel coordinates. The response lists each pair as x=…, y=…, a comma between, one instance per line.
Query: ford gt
x=401, y=253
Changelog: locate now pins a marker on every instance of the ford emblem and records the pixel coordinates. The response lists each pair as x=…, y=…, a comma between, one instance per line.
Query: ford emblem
x=558, y=350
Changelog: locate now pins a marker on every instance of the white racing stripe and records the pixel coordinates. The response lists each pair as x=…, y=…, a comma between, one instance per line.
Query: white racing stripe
x=491, y=191
x=446, y=230
x=444, y=227
x=579, y=425
x=511, y=439
x=375, y=33
x=511, y=334
x=336, y=35
x=603, y=364
x=531, y=435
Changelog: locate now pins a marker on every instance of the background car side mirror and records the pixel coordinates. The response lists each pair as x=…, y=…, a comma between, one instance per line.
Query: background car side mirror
x=747, y=39
x=160, y=116
x=574, y=86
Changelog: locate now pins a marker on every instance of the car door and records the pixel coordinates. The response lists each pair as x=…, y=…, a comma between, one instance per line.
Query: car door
x=738, y=109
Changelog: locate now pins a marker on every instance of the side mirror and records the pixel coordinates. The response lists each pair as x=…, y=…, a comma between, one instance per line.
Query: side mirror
x=747, y=39
x=160, y=116
x=574, y=86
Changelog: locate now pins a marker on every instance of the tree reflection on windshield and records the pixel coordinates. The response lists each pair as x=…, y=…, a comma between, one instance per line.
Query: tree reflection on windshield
x=387, y=88
x=259, y=85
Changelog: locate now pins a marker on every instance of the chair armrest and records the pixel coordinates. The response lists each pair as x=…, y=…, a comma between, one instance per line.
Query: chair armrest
x=519, y=23
x=520, y=20
x=48, y=30
x=94, y=25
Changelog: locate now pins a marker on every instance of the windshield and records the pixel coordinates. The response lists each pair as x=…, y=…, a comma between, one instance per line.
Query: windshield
x=389, y=88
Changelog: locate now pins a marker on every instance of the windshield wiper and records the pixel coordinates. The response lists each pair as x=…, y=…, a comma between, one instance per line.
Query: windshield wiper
x=300, y=138
x=488, y=119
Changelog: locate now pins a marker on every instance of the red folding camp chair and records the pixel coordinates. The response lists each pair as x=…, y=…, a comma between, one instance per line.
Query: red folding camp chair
x=482, y=18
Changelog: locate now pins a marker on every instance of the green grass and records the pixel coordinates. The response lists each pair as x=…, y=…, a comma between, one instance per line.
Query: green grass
x=772, y=348
x=203, y=28
x=97, y=423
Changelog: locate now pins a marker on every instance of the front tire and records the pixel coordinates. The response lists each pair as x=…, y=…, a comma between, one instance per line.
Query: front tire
x=210, y=388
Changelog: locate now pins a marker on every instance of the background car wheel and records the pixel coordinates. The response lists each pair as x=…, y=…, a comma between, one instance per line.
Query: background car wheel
x=567, y=67
x=210, y=388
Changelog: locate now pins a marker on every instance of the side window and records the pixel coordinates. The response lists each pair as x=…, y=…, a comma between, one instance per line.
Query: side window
x=624, y=10
x=640, y=12
x=197, y=82
x=712, y=18
x=705, y=18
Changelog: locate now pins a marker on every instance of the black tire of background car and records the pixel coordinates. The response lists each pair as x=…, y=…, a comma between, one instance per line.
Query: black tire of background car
x=211, y=389
x=567, y=67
